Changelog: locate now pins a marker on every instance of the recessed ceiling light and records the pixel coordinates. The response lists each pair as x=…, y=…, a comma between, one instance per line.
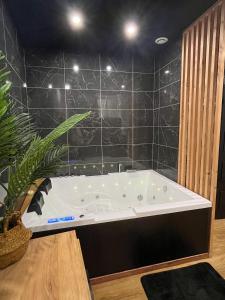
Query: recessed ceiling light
x=76, y=20
x=161, y=40
x=108, y=68
x=76, y=68
x=131, y=30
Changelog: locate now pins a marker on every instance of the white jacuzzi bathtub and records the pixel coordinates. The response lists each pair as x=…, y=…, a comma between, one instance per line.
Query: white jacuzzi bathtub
x=82, y=200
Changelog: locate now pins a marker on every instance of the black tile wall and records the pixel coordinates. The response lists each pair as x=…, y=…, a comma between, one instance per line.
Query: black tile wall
x=14, y=60
x=120, y=128
x=166, y=110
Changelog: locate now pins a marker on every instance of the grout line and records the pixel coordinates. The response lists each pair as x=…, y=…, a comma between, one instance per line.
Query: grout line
x=94, y=109
x=101, y=116
x=111, y=145
x=166, y=146
x=165, y=86
x=132, y=116
x=176, y=58
x=93, y=70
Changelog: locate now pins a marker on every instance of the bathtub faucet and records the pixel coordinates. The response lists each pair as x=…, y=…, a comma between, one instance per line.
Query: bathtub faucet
x=120, y=167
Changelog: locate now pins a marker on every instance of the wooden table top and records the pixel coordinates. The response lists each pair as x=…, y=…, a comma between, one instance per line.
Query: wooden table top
x=52, y=268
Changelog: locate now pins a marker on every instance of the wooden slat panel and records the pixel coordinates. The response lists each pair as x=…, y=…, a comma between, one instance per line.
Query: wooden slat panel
x=203, y=56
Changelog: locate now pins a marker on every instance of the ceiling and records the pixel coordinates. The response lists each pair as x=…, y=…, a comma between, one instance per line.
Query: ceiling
x=44, y=24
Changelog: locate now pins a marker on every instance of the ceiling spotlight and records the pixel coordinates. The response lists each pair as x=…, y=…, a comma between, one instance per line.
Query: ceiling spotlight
x=161, y=40
x=76, y=20
x=131, y=30
x=76, y=68
x=108, y=68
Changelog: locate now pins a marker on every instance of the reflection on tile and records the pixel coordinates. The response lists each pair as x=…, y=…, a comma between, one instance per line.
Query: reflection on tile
x=116, y=118
x=46, y=98
x=115, y=136
x=116, y=81
x=122, y=63
x=43, y=58
x=169, y=136
x=84, y=155
x=117, y=153
x=142, y=165
x=143, y=100
x=48, y=118
x=142, y=152
x=143, y=118
x=142, y=135
x=82, y=99
x=84, y=136
x=42, y=77
x=116, y=100
x=167, y=171
x=169, y=115
x=84, y=80
x=143, y=82
x=83, y=61
x=168, y=156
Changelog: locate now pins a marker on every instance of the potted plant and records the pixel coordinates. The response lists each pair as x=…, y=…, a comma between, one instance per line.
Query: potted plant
x=28, y=157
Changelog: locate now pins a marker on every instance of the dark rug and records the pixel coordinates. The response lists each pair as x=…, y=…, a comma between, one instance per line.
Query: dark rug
x=197, y=282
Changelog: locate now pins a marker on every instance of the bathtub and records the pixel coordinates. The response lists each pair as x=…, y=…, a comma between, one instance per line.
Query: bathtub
x=126, y=220
x=81, y=200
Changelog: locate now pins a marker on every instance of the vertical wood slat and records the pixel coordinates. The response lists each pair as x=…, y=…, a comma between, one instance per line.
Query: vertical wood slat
x=203, y=58
x=200, y=94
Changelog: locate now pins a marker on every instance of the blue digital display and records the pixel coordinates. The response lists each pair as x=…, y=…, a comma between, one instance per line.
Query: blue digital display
x=64, y=219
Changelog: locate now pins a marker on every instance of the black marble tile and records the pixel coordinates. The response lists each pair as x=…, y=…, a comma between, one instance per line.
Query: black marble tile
x=165, y=76
x=94, y=120
x=117, y=153
x=154, y=165
x=84, y=80
x=46, y=98
x=167, y=171
x=155, y=153
x=156, y=79
x=42, y=77
x=116, y=100
x=169, y=136
x=143, y=63
x=116, y=118
x=84, y=136
x=14, y=77
x=115, y=136
x=82, y=99
x=142, y=135
x=175, y=68
x=48, y=118
x=17, y=93
x=169, y=52
x=116, y=81
x=44, y=58
x=143, y=82
x=86, y=169
x=142, y=165
x=169, y=116
x=143, y=118
x=168, y=156
x=156, y=117
x=170, y=94
x=90, y=154
x=143, y=100
x=156, y=99
x=122, y=63
x=142, y=152
x=90, y=62
x=60, y=141
x=156, y=135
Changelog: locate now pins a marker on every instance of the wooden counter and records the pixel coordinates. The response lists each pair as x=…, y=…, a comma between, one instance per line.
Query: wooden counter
x=52, y=268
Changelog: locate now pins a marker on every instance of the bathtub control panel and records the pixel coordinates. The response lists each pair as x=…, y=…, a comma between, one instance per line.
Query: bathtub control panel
x=64, y=219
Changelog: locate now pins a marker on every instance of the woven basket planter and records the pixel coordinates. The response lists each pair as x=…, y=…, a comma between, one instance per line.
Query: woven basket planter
x=13, y=241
